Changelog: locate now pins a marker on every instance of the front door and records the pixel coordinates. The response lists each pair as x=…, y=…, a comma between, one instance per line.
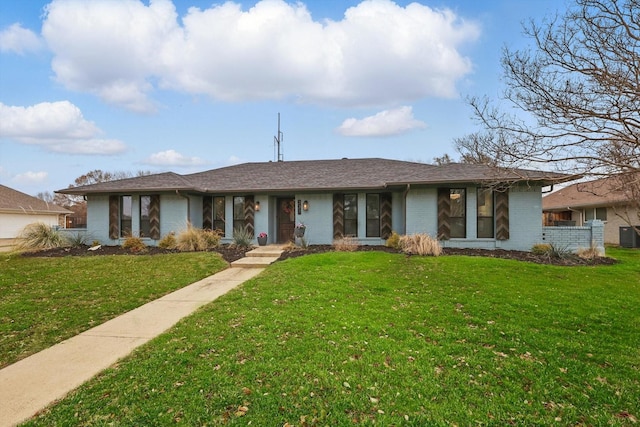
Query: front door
x=286, y=219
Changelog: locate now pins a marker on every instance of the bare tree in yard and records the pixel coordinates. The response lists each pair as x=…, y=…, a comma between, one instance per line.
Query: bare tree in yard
x=578, y=94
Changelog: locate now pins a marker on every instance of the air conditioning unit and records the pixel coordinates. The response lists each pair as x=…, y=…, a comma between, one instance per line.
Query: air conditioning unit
x=629, y=238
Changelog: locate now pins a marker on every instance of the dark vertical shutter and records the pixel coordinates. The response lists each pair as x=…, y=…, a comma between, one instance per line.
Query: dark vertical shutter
x=338, y=216
x=154, y=217
x=502, y=215
x=114, y=216
x=249, y=214
x=385, y=215
x=444, y=210
x=207, y=213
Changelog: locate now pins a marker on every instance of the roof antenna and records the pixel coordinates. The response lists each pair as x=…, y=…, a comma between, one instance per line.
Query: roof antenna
x=276, y=142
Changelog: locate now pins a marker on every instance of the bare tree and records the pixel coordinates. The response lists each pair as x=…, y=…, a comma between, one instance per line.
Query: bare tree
x=577, y=95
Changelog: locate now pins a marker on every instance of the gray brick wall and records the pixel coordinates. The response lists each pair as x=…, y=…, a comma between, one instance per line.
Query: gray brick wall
x=576, y=238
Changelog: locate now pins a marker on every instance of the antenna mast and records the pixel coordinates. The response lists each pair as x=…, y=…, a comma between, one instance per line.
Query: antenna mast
x=276, y=142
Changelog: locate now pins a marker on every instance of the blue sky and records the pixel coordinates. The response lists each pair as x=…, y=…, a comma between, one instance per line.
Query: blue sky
x=191, y=85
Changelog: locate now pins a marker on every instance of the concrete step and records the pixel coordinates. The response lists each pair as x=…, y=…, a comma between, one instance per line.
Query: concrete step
x=265, y=251
x=254, y=261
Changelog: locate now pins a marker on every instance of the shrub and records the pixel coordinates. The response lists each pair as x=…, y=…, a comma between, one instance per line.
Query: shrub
x=551, y=251
x=589, y=253
x=420, y=244
x=345, y=244
x=134, y=244
x=393, y=241
x=39, y=235
x=191, y=239
x=242, y=237
x=168, y=242
x=76, y=240
x=541, y=249
x=211, y=238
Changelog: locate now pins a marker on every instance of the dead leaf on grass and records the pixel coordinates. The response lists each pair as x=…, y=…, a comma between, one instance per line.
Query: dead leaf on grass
x=627, y=416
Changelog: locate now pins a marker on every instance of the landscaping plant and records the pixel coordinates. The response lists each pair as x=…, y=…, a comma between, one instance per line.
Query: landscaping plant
x=39, y=235
x=420, y=244
x=242, y=237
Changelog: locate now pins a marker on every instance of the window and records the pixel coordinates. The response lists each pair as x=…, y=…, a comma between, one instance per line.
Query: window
x=125, y=216
x=595, y=213
x=350, y=215
x=238, y=213
x=373, y=215
x=218, y=214
x=457, y=215
x=145, y=223
x=485, y=213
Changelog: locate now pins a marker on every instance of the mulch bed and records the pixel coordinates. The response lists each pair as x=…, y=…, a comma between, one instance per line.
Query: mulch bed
x=232, y=253
x=229, y=253
x=570, y=260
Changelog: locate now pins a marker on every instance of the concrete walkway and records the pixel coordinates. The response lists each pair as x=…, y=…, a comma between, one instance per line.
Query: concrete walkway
x=31, y=384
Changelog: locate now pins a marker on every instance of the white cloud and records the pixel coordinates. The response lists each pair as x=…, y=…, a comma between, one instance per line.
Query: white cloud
x=30, y=178
x=57, y=127
x=172, y=158
x=384, y=123
x=378, y=54
x=18, y=39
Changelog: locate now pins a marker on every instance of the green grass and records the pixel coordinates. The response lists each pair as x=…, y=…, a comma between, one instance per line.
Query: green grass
x=46, y=300
x=366, y=337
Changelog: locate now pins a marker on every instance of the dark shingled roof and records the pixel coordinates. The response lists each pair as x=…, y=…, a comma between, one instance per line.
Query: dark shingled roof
x=310, y=175
x=15, y=201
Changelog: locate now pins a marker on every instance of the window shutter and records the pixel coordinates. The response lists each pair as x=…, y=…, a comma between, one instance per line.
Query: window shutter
x=114, y=216
x=249, y=215
x=154, y=217
x=385, y=215
x=502, y=215
x=444, y=210
x=338, y=216
x=207, y=213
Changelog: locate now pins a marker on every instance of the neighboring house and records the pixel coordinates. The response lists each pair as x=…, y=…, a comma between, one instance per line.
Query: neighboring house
x=602, y=199
x=366, y=199
x=19, y=209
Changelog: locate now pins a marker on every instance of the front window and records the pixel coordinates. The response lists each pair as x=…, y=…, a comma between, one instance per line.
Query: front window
x=350, y=215
x=238, y=213
x=595, y=213
x=457, y=215
x=373, y=215
x=485, y=213
x=145, y=223
x=125, y=216
x=218, y=214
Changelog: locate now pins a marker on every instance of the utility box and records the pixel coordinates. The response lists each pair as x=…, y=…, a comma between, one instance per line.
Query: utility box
x=629, y=238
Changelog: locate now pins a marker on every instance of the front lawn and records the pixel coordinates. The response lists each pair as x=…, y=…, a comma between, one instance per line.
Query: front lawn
x=46, y=300
x=364, y=337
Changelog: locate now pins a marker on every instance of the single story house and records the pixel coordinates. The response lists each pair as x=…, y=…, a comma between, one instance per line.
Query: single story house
x=605, y=199
x=464, y=205
x=18, y=209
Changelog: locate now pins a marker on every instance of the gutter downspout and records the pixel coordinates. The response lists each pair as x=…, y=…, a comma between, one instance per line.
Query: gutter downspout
x=405, y=193
x=188, y=206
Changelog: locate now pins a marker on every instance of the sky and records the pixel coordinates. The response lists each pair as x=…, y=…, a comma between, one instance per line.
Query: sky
x=192, y=85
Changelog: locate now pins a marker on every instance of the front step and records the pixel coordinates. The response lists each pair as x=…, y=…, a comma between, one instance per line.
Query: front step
x=259, y=257
x=254, y=262
x=265, y=251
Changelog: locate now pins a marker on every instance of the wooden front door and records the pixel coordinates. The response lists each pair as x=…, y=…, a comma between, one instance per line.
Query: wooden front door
x=286, y=219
